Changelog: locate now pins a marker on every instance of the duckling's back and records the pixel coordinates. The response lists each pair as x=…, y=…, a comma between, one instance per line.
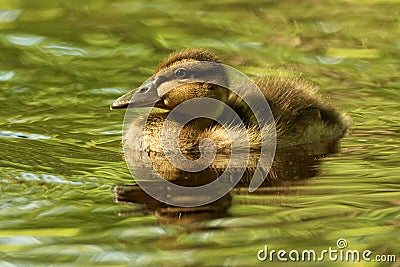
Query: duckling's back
x=301, y=115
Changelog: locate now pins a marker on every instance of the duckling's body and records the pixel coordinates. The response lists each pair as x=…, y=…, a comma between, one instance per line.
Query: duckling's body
x=300, y=114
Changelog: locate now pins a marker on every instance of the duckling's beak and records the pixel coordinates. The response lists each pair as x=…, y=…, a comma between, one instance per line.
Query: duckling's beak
x=144, y=96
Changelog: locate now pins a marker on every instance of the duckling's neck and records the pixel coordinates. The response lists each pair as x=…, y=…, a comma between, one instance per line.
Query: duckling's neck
x=191, y=121
x=242, y=110
x=200, y=123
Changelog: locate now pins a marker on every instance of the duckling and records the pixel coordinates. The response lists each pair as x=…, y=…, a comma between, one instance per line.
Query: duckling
x=300, y=114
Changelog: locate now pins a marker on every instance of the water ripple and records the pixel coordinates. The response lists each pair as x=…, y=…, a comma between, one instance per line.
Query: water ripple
x=6, y=75
x=25, y=40
x=41, y=178
x=59, y=50
x=9, y=15
x=11, y=134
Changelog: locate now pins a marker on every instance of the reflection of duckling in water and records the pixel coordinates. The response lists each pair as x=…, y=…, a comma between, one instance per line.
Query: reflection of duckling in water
x=300, y=115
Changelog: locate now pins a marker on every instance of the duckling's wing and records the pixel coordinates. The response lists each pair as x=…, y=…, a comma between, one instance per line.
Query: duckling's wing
x=301, y=115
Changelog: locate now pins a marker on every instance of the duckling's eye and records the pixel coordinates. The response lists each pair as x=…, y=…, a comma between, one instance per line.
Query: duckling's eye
x=180, y=73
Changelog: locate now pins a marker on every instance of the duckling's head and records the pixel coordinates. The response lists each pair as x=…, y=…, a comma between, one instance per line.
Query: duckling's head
x=175, y=73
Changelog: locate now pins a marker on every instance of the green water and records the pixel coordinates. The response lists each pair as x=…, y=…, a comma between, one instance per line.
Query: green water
x=63, y=62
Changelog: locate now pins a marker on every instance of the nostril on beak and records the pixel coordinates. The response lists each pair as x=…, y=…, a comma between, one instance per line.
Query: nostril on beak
x=144, y=89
